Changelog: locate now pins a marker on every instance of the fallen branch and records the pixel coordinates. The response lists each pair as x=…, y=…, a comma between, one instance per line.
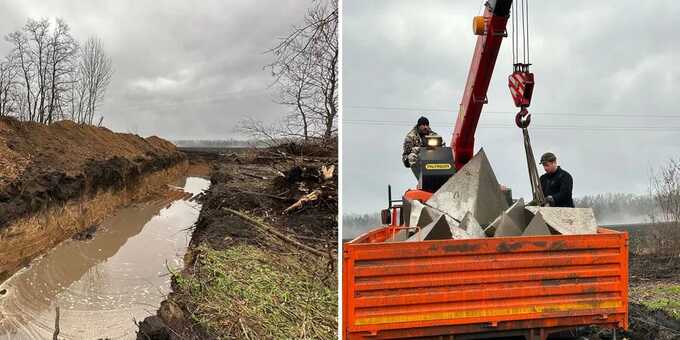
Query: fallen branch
x=316, y=239
x=281, y=155
x=56, y=325
x=254, y=176
x=312, y=196
x=272, y=230
x=261, y=194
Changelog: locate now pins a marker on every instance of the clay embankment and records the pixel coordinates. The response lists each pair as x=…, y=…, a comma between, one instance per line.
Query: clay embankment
x=58, y=180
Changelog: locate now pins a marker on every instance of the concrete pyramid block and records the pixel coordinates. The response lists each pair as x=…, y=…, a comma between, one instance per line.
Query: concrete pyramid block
x=506, y=226
x=517, y=213
x=457, y=232
x=437, y=230
x=531, y=209
x=568, y=221
x=471, y=226
x=537, y=226
x=441, y=228
x=473, y=188
x=406, y=211
x=427, y=216
x=414, y=212
x=460, y=234
x=399, y=236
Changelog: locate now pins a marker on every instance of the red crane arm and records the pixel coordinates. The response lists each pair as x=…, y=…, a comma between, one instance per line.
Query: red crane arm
x=490, y=30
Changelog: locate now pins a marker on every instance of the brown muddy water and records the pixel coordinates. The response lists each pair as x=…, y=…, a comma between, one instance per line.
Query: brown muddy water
x=101, y=285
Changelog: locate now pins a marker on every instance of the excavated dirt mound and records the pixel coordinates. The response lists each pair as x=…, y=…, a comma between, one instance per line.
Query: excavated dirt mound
x=296, y=245
x=42, y=165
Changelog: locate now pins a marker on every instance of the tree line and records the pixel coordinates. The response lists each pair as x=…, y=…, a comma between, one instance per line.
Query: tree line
x=49, y=75
x=661, y=205
x=215, y=143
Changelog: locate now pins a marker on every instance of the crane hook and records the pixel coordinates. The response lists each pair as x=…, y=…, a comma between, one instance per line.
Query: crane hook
x=523, y=118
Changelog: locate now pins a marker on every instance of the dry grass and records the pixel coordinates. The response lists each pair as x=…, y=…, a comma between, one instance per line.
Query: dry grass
x=244, y=292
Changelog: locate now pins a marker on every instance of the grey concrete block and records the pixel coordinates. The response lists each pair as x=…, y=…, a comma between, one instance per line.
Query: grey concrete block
x=427, y=216
x=537, y=227
x=437, y=230
x=568, y=221
x=471, y=226
x=473, y=188
x=399, y=236
x=414, y=215
x=506, y=226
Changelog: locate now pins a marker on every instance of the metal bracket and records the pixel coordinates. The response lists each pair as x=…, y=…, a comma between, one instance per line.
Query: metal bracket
x=503, y=34
x=484, y=100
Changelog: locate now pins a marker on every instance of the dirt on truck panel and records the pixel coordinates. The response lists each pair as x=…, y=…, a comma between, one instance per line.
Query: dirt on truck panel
x=261, y=263
x=68, y=176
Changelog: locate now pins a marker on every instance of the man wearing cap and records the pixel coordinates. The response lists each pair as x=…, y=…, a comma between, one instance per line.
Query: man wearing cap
x=415, y=139
x=556, y=183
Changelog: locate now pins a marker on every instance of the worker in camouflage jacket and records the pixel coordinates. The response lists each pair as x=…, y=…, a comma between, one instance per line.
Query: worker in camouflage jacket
x=415, y=139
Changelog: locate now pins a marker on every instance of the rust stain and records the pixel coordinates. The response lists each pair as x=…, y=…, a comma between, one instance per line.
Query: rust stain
x=506, y=247
x=551, y=283
x=558, y=245
x=461, y=248
x=540, y=244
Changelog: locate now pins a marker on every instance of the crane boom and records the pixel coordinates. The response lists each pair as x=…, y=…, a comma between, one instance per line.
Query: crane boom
x=491, y=29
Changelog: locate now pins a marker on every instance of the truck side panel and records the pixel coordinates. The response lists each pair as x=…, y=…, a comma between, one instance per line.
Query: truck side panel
x=504, y=283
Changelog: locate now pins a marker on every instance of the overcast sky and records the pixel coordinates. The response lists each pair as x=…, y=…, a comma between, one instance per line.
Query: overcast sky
x=183, y=69
x=618, y=63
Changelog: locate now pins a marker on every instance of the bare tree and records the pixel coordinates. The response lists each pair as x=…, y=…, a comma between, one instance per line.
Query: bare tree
x=47, y=76
x=62, y=50
x=268, y=134
x=77, y=94
x=324, y=77
x=8, y=86
x=306, y=73
x=665, y=187
x=95, y=71
x=37, y=36
x=22, y=56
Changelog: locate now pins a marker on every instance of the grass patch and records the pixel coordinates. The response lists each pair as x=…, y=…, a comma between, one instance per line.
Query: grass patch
x=242, y=292
x=666, y=298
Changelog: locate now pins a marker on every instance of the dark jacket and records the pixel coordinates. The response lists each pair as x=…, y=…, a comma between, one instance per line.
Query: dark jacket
x=558, y=185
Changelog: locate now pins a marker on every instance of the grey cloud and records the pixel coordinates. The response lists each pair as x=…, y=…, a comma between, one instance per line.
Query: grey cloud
x=182, y=69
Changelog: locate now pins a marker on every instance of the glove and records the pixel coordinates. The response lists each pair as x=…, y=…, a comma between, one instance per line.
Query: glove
x=549, y=202
x=412, y=158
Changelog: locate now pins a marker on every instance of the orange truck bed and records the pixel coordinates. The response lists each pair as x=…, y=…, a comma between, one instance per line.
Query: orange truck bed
x=530, y=285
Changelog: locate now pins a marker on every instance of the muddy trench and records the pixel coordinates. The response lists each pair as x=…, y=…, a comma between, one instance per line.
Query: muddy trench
x=111, y=270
